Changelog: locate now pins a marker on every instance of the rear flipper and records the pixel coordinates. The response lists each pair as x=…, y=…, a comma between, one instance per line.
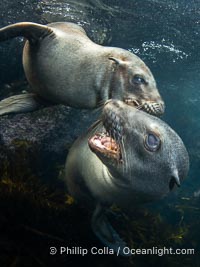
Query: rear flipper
x=105, y=232
x=20, y=104
x=31, y=31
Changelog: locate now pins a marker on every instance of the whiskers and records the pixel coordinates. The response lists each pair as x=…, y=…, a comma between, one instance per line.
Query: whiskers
x=100, y=104
x=124, y=157
x=139, y=107
x=95, y=127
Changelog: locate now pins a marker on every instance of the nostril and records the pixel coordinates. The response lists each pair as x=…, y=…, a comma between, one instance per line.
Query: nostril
x=172, y=183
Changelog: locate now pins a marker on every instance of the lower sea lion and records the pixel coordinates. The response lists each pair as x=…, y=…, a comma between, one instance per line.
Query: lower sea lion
x=127, y=159
x=64, y=66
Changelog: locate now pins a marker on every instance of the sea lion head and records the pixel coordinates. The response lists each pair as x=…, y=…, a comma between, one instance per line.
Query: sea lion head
x=141, y=152
x=134, y=83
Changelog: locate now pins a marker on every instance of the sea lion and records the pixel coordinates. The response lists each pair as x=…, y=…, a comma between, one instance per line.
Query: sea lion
x=64, y=66
x=129, y=158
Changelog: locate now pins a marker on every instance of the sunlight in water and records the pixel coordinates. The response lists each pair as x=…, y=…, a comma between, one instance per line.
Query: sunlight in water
x=152, y=49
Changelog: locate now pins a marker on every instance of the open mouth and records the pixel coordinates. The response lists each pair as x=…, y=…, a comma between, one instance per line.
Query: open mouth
x=132, y=102
x=104, y=144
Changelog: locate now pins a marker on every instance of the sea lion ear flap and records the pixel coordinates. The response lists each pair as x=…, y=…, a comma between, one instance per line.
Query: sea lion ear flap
x=118, y=62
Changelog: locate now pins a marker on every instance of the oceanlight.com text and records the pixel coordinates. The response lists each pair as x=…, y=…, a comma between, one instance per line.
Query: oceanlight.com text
x=67, y=250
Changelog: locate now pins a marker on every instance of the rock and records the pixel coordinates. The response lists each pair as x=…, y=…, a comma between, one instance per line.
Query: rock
x=38, y=142
x=94, y=16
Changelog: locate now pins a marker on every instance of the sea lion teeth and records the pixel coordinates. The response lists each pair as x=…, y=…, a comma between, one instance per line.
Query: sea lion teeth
x=151, y=162
x=106, y=145
x=132, y=102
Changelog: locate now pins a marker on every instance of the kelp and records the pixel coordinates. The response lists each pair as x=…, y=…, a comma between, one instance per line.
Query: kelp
x=36, y=215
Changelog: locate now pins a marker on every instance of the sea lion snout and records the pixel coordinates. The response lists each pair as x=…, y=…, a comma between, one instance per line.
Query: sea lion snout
x=154, y=108
x=134, y=84
x=129, y=157
x=63, y=66
x=112, y=119
x=147, y=138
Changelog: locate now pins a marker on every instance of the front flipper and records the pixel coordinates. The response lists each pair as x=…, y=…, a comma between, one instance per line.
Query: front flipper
x=19, y=104
x=105, y=232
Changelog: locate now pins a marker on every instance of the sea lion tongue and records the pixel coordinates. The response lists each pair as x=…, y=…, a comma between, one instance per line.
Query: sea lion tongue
x=128, y=159
x=106, y=145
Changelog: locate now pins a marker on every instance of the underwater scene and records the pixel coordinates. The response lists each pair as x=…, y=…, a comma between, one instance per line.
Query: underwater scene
x=127, y=192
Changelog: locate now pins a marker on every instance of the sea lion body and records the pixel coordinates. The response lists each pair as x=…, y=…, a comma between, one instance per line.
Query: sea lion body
x=69, y=82
x=64, y=66
x=131, y=159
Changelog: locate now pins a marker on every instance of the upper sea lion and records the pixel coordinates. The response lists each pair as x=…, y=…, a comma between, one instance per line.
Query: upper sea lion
x=64, y=66
x=127, y=159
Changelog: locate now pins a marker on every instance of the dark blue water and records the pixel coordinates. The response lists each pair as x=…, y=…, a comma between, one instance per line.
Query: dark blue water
x=166, y=35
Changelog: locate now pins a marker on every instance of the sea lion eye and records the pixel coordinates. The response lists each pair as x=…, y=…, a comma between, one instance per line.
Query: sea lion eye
x=152, y=142
x=138, y=80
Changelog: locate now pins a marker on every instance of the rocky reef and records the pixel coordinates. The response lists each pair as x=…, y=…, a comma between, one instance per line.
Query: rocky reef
x=39, y=141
